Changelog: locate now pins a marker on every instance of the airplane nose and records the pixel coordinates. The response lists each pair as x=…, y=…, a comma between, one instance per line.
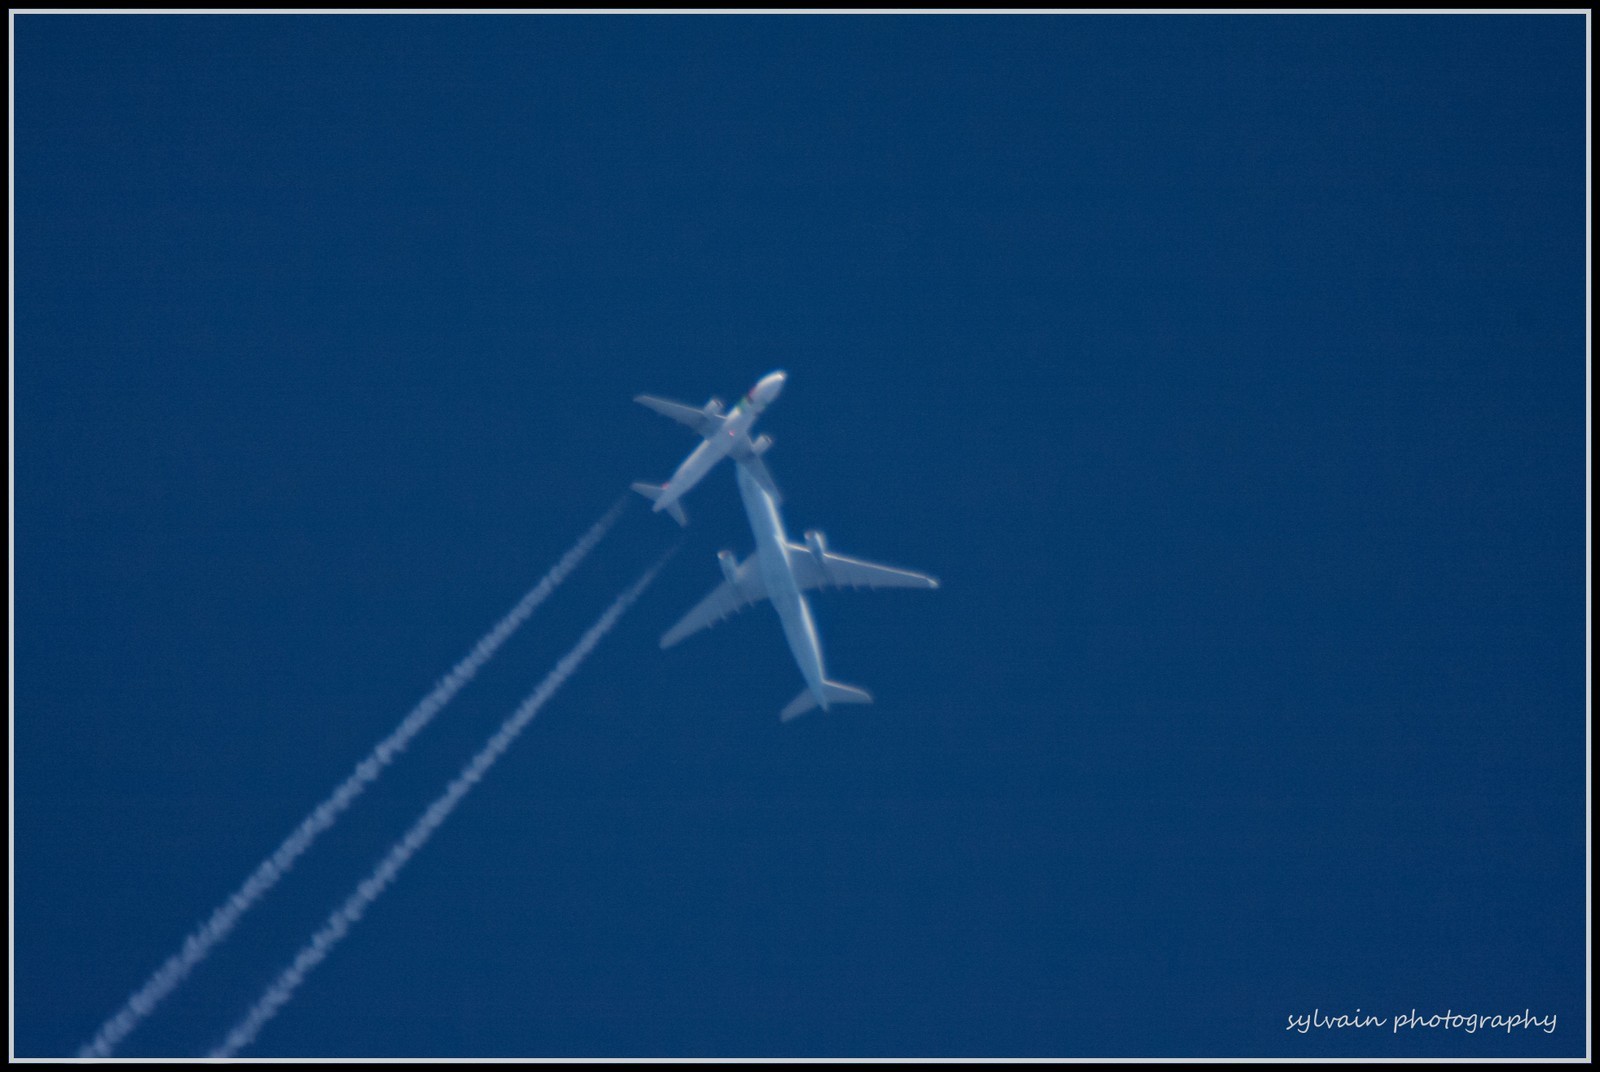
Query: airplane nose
x=769, y=386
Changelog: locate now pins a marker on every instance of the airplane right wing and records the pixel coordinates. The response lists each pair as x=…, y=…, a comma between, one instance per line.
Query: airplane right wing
x=731, y=596
x=817, y=567
x=706, y=422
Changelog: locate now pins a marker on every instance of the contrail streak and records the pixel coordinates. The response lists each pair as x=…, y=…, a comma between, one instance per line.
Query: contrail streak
x=339, y=923
x=221, y=922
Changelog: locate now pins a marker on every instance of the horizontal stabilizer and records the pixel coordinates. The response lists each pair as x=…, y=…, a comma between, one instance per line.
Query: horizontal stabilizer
x=653, y=492
x=832, y=691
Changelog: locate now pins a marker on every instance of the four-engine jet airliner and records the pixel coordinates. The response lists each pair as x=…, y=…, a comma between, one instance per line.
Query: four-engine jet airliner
x=782, y=572
x=723, y=433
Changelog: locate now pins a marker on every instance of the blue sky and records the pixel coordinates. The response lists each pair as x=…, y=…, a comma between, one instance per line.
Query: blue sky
x=1228, y=371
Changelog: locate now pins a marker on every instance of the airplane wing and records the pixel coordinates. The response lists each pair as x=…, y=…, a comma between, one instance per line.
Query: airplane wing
x=705, y=423
x=729, y=597
x=839, y=571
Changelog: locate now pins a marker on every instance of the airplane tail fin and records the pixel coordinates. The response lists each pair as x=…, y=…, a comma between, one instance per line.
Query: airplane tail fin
x=653, y=493
x=832, y=691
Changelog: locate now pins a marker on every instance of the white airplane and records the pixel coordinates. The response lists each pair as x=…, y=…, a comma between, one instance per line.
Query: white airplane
x=782, y=572
x=723, y=433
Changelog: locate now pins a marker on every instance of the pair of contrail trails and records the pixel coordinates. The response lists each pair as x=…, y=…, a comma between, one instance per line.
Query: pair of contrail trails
x=339, y=923
x=221, y=922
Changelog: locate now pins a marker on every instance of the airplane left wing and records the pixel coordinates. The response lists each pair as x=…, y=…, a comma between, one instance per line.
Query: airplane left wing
x=817, y=567
x=731, y=596
x=706, y=422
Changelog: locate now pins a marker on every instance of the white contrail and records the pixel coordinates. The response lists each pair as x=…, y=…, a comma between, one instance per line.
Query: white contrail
x=340, y=922
x=201, y=941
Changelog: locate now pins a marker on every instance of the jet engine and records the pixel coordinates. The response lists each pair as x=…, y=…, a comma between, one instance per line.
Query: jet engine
x=713, y=407
x=730, y=566
x=759, y=444
x=817, y=544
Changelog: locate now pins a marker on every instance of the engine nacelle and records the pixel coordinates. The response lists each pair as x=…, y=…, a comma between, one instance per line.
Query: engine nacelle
x=817, y=544
x=730, y=566
x=759, y=445
x=713, y=407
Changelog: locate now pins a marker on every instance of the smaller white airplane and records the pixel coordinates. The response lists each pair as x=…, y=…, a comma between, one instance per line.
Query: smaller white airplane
x=723, y=434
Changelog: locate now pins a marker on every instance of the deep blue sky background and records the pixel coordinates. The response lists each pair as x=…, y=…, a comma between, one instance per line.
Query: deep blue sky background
x=1229, y=371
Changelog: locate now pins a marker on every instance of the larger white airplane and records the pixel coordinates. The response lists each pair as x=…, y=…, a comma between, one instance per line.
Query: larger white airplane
x=782, y=572
x=722, y=434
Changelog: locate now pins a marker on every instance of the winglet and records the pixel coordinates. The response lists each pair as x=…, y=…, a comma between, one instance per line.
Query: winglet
x=832, y=691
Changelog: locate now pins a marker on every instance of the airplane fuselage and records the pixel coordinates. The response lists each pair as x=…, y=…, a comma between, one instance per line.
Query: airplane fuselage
x=772, y=559
x=703, y=458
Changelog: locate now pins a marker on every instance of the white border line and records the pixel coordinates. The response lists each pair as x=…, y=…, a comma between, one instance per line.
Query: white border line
x=1588, y=605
